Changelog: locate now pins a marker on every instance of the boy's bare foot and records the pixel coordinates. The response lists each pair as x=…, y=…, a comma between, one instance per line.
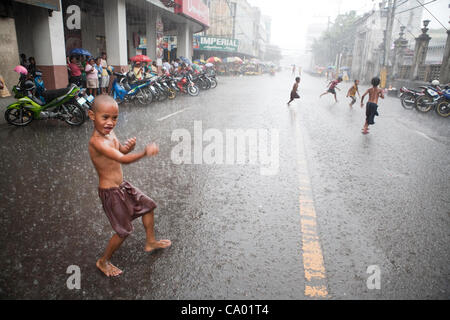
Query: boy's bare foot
x=108, y=268
x=161, y=244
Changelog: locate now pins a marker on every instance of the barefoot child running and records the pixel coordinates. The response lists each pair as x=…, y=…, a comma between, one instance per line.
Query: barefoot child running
x=372, y=104
x=294, y=94
x=121, y=201
x=331, y=86
x=352, y=93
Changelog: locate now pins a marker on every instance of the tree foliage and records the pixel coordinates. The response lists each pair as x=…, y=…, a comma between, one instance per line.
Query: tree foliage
x=338, y=38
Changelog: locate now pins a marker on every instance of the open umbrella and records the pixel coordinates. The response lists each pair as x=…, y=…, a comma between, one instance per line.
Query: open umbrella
x=238, y=60
x=185, y=60
x=141, y=58
x=214, y=60
x=199, y=61
x=80, y=51
x=21, y=70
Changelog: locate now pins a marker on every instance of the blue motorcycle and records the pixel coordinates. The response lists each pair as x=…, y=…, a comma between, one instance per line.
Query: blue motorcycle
x=443, y=108
x=124, y=90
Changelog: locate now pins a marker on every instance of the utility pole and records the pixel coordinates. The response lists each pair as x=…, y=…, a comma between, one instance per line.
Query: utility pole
x=389, y=26
x=387, y=40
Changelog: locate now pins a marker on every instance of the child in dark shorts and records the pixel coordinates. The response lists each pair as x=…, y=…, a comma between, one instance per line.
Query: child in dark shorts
x=294, y=94
x=372, y=105
x=121, y=201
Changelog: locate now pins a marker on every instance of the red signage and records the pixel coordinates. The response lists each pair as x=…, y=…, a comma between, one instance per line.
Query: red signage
x=194, y=9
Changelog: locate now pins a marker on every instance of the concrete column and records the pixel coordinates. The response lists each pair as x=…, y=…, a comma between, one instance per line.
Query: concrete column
x=116, y=34
x=151, y=32
x=184, y=41
x=9, y=52
x=444, y=77
x=49, y=47
x=399, y=50
x=420, y=51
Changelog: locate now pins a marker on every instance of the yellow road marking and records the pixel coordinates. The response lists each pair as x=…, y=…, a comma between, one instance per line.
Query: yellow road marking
x=313, y=264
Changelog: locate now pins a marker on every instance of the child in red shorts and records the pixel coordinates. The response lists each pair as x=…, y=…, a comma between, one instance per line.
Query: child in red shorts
x=121, y=201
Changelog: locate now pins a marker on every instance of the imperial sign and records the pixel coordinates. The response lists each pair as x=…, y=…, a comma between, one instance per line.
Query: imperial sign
x=215, y=44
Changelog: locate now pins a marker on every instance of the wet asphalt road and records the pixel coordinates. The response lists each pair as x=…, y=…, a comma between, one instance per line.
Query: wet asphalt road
x=380, y=199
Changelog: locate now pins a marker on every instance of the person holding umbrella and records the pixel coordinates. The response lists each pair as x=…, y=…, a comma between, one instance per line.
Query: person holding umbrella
x=91, y=77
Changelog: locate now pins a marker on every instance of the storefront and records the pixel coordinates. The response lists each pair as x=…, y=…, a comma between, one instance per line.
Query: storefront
x=49, y=30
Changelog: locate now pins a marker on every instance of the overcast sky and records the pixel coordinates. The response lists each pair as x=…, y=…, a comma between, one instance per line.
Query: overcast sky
x=290, y=18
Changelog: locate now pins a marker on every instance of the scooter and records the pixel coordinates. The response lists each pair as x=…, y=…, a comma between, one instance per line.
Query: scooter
x=429, y=99
x=121, y=94
x=63, y=104
x=408, y=97
x=443, y=107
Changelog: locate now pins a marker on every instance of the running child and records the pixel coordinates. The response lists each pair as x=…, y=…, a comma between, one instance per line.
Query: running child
x=294, y=94
x=352, y=93
x=331, y=88
x=121, y=201
x=372, y=105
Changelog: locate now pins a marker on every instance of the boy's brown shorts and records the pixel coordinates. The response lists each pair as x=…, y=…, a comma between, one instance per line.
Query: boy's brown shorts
x=123, y=204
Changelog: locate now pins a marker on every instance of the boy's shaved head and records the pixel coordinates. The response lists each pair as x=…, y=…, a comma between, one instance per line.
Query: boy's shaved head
x=103, y=100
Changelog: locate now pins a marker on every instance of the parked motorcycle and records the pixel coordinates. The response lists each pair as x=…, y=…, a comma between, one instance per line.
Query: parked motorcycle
x=408, y=97
x=63, y=104
x=123, y=90
x=186, y=85
x=443, y=107
x=429, y=99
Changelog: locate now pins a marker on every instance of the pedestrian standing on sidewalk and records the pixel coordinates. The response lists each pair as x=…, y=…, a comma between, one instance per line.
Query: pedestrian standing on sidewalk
x=74, y=71
x=294, y=94
x=91, y=77
x=352, y=93
x=121, y=201
x=104, y=85
x=331, y=88
x=31, y=67
x=98, y=66
x=372, y=105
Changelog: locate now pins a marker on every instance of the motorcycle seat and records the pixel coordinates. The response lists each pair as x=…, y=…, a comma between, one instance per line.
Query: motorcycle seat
x=50, y=95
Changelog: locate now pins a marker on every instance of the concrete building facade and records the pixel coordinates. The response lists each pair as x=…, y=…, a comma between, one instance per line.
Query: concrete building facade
x=49, y=29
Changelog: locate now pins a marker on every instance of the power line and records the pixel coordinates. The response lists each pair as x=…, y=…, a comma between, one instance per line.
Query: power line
x=432, y=15
x=416, y=7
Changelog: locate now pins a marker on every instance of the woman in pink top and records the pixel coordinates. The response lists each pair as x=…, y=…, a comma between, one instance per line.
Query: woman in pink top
x=75, y=71
x=91, y=77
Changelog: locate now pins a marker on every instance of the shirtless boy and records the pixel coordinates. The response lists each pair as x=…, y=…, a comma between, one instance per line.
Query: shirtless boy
x=121, y=201
x=372, y=105
x=294, y=94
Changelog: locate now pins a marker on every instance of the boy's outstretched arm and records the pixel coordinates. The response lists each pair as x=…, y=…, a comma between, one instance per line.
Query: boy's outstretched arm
x=118, y=156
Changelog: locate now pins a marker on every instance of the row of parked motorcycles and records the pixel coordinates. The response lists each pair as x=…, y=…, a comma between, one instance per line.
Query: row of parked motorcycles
x=126, y=88
x=71, y=104
x=427, y=98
